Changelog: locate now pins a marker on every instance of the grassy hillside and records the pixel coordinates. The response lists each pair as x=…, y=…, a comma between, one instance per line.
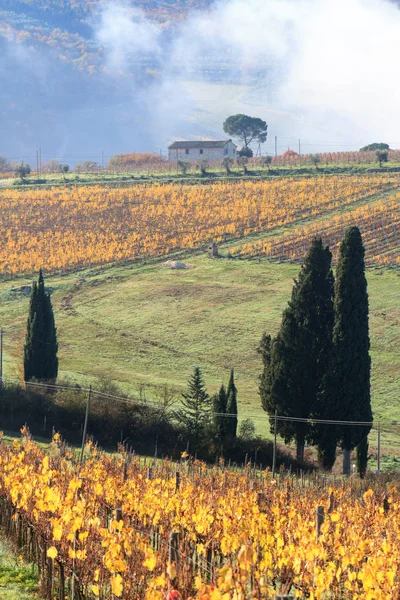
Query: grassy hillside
x=147, y=325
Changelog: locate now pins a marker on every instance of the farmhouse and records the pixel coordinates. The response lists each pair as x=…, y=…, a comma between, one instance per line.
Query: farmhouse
x=196, y=151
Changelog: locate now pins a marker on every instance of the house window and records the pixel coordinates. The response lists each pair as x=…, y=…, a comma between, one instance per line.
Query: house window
x=234, y=151
x=226, y=151
x=201, y=151
x=187, y=150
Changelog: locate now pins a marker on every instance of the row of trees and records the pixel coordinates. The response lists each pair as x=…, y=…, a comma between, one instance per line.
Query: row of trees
x=318, y=365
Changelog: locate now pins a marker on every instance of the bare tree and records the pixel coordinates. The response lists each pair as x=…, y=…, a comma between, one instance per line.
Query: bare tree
x=227, y=163
x=315, y=160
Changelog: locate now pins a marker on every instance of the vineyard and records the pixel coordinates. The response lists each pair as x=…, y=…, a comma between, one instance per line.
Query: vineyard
x=379, y=222
x=67, y=228
x=112, y=527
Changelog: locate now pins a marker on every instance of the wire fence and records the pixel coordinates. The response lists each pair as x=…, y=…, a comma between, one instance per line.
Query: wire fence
x=380, y=431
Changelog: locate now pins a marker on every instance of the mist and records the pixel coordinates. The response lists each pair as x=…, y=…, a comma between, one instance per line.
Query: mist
x=320, y=71
x=326, y=72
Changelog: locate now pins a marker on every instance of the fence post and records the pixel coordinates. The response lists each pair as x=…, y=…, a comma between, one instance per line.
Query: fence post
x=319, y=520
x=174, y=552
x=177, y=481
x=76, y=538
x=86, y=423
x=274, y=447
x=379, y=447
x=61, y=582
x=386, y=505
x=118, y=514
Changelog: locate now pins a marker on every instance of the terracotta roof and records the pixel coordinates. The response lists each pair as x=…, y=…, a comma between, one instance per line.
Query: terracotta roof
x=204, y=144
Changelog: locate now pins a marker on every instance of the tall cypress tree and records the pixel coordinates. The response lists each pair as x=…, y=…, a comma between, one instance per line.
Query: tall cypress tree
x=41, y=347
x=195, y=416
x=219, y=411
x=232, y=407
x=362, y=457
x=295, y=362
x=349, y=380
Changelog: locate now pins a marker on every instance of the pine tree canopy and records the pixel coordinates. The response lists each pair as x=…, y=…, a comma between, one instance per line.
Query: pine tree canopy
x=41, y=347
x=195, y=415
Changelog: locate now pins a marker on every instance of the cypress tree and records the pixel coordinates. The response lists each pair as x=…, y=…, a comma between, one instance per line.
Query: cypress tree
x=232, y=408
x=219, y=410
x=362, y=457
x=195, y=416
x=295, y=362
x=41, y=347
x=349, y=380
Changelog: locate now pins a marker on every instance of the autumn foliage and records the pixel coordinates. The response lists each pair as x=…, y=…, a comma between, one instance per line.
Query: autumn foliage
x=379, y=222
x=132, y=160
x=239, y=535
x=74, y=227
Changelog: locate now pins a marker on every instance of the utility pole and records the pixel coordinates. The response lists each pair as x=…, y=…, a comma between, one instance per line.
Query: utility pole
x=1, y=357
x=102, y=160
x=379, y=447
x=274, y=450
x=86, y=422
x=37, y=162
x=276, y=145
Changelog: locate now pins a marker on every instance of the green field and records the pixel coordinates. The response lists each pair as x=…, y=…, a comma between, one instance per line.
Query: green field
x=146, y=325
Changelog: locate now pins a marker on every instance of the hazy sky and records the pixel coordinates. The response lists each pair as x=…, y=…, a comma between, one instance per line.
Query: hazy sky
x=321, y=70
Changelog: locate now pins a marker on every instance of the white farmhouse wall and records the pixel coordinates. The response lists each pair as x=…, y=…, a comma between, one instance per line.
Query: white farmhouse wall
x=197, y=154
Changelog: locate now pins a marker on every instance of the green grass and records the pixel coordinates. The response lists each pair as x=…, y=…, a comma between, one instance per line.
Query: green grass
x=149, y=325
x=18, y=581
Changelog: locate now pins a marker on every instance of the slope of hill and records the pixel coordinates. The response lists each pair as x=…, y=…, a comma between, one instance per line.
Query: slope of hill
x=143, y=324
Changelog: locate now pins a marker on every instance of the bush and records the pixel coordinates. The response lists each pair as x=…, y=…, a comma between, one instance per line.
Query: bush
x=145, y=428
x=22, y=170
x=247, y=429
x=245, y=152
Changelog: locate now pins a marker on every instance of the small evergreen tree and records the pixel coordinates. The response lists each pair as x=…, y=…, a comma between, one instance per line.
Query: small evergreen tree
x=195, y=416
x=232, y=408
x=41, y=347
x=219, y=410
x=349, y=378
x=295, y=362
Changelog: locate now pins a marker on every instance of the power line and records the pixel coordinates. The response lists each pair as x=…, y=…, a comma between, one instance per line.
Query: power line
x=127, y=400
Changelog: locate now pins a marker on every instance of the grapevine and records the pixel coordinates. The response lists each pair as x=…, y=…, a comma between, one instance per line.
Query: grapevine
x=69, y=228
x=239, y=535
